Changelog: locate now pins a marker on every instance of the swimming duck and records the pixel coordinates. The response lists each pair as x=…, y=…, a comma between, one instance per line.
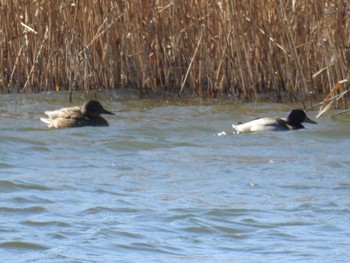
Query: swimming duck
x=78, y=116
x=293, y=122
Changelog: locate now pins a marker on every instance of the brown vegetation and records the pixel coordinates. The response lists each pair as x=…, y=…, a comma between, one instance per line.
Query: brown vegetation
x=291, y=49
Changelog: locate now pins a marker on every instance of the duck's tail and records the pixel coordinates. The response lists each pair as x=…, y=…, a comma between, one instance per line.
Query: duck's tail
x=48, y=121
x=235, y=126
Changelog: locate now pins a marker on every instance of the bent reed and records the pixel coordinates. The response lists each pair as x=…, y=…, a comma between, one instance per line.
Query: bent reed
x=294, y=50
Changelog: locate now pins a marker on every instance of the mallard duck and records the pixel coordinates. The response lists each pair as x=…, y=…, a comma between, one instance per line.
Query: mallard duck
x=78, y=116
x=293, y=122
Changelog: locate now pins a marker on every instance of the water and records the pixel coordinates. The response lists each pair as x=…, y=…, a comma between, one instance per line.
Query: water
x=160, y=185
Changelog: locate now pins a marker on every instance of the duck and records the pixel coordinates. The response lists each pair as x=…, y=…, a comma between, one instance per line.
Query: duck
x=77, y=116
x=294, y=121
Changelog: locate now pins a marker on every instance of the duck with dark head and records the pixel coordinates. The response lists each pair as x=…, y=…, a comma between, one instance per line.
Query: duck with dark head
x=294, y=121
x=78, y=116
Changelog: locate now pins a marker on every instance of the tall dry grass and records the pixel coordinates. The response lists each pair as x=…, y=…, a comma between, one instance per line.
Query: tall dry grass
x=293, y=50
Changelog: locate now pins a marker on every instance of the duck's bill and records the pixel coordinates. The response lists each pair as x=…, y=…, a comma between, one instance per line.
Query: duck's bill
x=108, y=112
x=309, y=120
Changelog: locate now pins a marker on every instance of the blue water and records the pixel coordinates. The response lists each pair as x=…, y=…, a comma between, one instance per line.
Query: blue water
x=161, y=185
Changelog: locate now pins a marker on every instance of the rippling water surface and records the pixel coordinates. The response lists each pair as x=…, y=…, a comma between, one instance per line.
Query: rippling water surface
x=160, y=185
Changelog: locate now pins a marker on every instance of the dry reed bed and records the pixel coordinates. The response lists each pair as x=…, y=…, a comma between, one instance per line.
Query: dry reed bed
x=291, y=49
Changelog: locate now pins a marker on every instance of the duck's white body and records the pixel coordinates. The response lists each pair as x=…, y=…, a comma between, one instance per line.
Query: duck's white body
x=262, y=124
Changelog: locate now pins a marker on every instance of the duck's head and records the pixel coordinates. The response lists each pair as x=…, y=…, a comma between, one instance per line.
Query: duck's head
x=298, y=116
x=93, y=108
